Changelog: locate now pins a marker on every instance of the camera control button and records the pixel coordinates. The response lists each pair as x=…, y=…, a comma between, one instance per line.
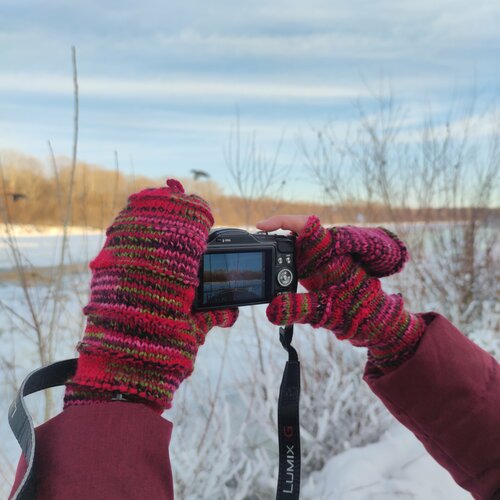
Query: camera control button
x=285, y=277
x=288, y=259
x=280, y=260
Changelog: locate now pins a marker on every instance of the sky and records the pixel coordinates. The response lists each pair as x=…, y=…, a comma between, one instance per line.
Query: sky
x=164, y=83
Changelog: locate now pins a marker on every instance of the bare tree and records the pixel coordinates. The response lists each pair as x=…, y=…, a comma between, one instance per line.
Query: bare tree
x=256, y=175
x=436, y=185
x=41, y=322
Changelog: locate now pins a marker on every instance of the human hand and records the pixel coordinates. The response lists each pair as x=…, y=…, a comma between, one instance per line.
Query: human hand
x=318, y=268
x=338, y=266
x=142, y=337
x=326, y=257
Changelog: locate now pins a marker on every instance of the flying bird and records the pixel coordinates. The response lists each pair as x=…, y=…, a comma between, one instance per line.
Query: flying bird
x=199, y=173
x=17, y=196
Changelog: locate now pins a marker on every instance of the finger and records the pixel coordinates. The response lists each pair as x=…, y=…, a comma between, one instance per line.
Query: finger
x=290, y=308
x=225, y=318
x=219, y=317
x=292, y=222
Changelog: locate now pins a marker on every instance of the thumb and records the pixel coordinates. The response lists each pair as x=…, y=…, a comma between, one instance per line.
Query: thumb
x=218, y=317
x=291, y=308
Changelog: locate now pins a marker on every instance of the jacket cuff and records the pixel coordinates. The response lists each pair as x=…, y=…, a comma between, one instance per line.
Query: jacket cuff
x=448, y=395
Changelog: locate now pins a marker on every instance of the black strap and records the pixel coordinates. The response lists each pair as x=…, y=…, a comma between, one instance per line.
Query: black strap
x=21, y=423
x=58, y=373
x=288, y=422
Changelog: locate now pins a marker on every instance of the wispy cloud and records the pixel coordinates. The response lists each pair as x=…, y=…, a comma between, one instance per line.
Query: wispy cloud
x=156, y=88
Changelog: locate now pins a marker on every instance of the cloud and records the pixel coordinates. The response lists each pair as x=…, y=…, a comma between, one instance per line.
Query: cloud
x=158, y=88
x=298, y=46
x=160, y=77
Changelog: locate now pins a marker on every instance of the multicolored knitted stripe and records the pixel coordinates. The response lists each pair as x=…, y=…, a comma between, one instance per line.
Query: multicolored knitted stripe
x=141, y=337
x=380, y=252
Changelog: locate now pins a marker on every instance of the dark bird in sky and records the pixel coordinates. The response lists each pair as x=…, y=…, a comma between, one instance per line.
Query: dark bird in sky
x=199, y=173
x=17, y=196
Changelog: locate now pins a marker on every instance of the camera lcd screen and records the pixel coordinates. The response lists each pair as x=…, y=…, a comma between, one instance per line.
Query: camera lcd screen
x=234, y=278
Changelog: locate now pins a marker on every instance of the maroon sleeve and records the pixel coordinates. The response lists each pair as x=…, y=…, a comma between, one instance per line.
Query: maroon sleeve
x=104, y=451
x=448, y=395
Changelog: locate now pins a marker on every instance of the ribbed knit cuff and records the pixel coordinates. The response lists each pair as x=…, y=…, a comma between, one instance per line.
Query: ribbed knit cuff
x=99, y=378
x=378, y=321
x=405, y=335
x=80, y=395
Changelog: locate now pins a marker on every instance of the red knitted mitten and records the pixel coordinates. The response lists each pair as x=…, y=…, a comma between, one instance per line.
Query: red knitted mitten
x=344, y=297
x=326, y=256
x=142, y=337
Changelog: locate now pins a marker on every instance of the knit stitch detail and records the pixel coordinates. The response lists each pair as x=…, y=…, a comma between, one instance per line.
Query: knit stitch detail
x=340, y=267
x=380, y=252
x=141, y=336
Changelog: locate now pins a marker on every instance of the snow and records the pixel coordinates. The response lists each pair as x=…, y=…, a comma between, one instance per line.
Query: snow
x=396, y=467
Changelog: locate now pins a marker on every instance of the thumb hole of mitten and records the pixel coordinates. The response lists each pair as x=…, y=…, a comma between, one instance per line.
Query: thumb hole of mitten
x=290, y=308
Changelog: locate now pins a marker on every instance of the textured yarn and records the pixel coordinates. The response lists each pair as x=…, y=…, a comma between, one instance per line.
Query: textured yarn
x=141, y=336
x=319, y=250
x=338, y=266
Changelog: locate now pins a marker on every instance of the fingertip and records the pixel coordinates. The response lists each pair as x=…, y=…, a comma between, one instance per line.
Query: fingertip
x=269, y=224
x=227, y=317
x=272, y=313
x=234, y=316
x=275, y=308
x=294, y=223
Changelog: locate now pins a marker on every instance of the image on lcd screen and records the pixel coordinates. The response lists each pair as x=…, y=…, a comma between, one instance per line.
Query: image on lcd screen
x=233, y=278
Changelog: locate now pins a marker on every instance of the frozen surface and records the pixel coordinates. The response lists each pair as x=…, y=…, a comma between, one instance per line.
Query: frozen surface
x=45, y=250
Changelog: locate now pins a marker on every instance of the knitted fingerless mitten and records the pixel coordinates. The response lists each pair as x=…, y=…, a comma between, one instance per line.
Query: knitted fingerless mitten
x=326, y=257
x=344, y=298
x=141, y=337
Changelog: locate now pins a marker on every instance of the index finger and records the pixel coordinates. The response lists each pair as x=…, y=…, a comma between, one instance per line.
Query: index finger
x=292, y=222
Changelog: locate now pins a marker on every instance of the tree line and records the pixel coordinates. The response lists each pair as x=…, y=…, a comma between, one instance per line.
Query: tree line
x=32, y=194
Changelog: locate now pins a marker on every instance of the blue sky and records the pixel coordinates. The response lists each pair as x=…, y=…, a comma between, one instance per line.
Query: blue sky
x=162, y=82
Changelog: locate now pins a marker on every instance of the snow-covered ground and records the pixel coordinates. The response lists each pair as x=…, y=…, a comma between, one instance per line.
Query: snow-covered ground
x=364, y=456
x=397, y=466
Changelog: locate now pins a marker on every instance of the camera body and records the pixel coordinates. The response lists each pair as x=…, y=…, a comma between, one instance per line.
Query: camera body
x=240, y=269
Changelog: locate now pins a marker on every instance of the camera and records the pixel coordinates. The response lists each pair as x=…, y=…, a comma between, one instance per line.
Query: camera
x=241, y=269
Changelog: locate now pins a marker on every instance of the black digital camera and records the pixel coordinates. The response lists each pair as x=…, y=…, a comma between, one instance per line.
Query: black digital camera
x=241, y=269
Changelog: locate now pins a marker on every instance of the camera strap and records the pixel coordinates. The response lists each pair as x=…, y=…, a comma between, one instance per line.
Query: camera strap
x=288, y=422
x=58, y=373
x=21, y=423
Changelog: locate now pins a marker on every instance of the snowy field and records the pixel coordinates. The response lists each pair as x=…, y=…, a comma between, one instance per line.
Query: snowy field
x=224, y=415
